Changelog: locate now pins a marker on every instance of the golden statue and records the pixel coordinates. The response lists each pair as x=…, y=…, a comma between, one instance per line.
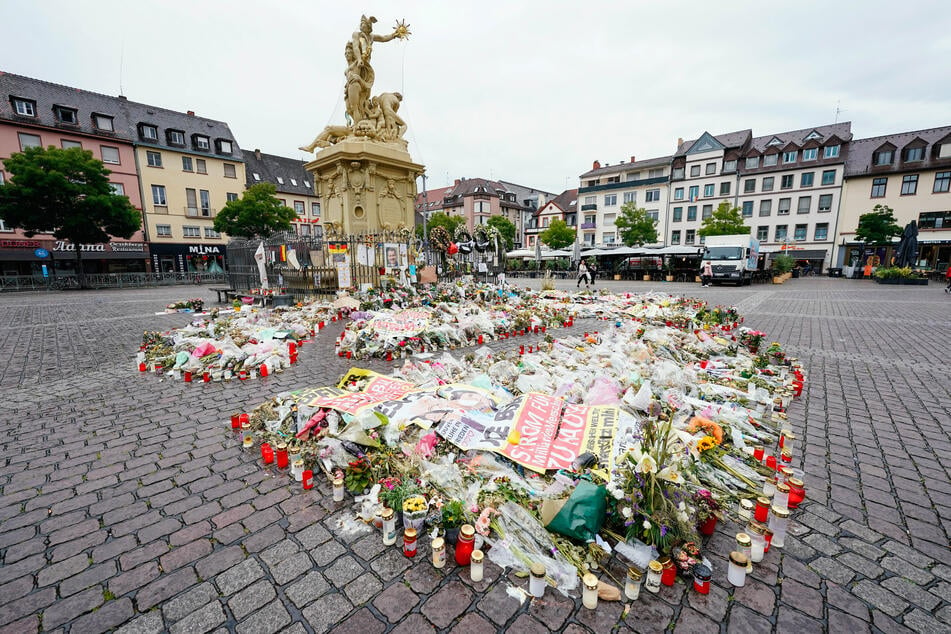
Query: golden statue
x=373, y=118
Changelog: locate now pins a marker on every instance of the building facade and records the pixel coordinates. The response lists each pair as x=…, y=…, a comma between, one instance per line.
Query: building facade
x=789, y=190
x=39, y=113
x=532, y=200
x=562, y=207
x=910, y=172
x=474, y=199
x=606, y=188
x=293, y=188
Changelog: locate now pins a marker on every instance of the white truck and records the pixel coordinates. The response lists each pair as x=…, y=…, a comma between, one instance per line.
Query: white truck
x=733, y=258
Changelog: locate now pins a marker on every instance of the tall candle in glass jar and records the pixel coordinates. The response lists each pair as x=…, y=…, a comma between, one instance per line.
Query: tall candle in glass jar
x=632, y=588
x=536, y=582
x=654, y=571
x=778, y=522
x=589, y=595
x=338, y=489
x=757, y=534
x=439, y=552
x=389, y=527
x=736, y=573
x=476, y=565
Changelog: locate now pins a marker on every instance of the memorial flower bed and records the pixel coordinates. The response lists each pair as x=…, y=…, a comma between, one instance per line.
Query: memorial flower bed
x=633, y=439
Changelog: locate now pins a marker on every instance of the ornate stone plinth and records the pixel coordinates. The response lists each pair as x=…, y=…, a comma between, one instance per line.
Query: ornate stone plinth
x=365, y=186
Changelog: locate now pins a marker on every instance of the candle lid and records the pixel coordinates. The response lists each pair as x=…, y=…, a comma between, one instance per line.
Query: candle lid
x=439, y=543
x=787, y=453
x=738, y=558
x=467, y=530
x=782, y=487
x=743, y=539
x=702, y=572
x=780, y=512
x=410, y=532
x=789, y=434
x=282, y=446
x=795, y=482
x=756, y=527
x=656, y=566
x=338, y=482
x=299, y=462
x=786, y=471
x=746, y=504
x=634, y=574
x=762, y=501
x=663, y=561
x=538, y=570
x=245, y=425
x=476, y=556
x=590, y=581
x=387, y=514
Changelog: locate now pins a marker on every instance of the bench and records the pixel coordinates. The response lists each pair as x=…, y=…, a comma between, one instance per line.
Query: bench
x=227, y=292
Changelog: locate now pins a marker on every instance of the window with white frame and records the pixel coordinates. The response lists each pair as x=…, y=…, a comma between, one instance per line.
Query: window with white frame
x=29, y=140
x=24, y=107
x=770, y=159
x=231, y=196
x=800, y=232
x=629, y=197
x=785, y=204
x=148, y=132
x=828, y=177
x=191, y=232
x=805, y=204
x=187, y=164
x=831, y=151
x=678, y=214
x=786, y=182
x=762, y=233
x=806, y=179
x=675, y=237
x=103, y=122
x=224, y=147
x=695, y=170
x=211, y=233
x=711, y=168
x=790, y=157
x=883, y=157
x=163, y=231
x=229, y=170
x=299, y=207
x=709, y=190
x=109, y=154
x=652, y=195
x=200, y=142
x=200, y=166
x=303, y=230
x=913, y=154
x=657, y=172
x=782, y=232
x=765, y=208
x=768, y=182
x=175, y=137
x=256, y=176
x=678, y=172
x=942, y=182
x=154, y=159
x=706, y=211
x=679, y=193
x=158, y=196
x=825, y=203
x=607, y=238
x=752, y=162
x=729, y=166
x=694, y=192
x=117, y=188
x=725, y=188
x=204, y=198
x=294, y=182
x=821, y=232
x=280, y=180
x=315, y=209
x=749, y=185
x=690, y=236
x=810, y=154
x=747, y=208
x=66, y=143
x=610, y=200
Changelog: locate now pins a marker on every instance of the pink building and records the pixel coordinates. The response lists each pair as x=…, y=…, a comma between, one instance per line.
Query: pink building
x=38, y=113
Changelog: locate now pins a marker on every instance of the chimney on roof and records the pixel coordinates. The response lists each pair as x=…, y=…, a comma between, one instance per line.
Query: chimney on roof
x=680, y=141
x=123, y=98
x=596, y=165
x=190, y=113
x=633, y=159
x=457, y=181
x=257, y=154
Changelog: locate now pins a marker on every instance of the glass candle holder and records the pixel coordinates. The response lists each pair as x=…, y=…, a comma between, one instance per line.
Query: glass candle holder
x=769, y=486
x=307, y=479
x=654, y=571
x=787, y=441
x=465, y=545
x=778, y=522
x=281, y=455
x=389, y=527
x=409, y=542
x=781, y=498
x=632, y=587
x=439, y=552
x=701, y=578
x=536, y=580
x=744, y=544
x=757, y=535
x=338, y=489
x=589, y=596
x=745, y=509
x=759, y=452
x=797, y=493
x=669, y=575
x=736, y=573
x=761, y=514
x=297, y=470
x=476, y=565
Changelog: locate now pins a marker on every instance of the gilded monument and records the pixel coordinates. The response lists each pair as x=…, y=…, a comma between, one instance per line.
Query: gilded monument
x=362, y=171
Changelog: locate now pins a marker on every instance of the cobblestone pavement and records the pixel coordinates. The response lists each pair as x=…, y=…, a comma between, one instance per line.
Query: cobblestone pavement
x=126, y=502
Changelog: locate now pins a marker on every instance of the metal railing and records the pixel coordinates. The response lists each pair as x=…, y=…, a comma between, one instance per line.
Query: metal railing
x=105, y=280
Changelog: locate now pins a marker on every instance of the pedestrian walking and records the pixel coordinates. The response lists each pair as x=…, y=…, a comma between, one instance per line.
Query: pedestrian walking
x=947, y=276
x=583, y=275
x=706, y=274
x=592, y=271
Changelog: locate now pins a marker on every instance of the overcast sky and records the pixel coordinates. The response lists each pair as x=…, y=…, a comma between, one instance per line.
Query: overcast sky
x=528, y=92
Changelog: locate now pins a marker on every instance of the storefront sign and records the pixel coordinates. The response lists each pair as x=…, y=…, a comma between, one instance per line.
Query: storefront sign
x=20, y=244
x=202, y=249
x=41, y=253
x=101, y=247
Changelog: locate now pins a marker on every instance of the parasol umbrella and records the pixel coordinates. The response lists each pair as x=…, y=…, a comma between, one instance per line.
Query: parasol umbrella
x=907, y=253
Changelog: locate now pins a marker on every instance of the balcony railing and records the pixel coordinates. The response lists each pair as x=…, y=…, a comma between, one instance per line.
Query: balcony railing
x=199, y=212
x=591, y=207
x=589, y=225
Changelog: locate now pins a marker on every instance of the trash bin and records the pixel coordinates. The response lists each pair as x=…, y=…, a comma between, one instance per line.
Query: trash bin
x=795, y=273
x=835, y=272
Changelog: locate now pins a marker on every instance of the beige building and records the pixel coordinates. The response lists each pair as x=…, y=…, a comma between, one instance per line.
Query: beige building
x=909, y=172
x=189, y=167
x=293, y=188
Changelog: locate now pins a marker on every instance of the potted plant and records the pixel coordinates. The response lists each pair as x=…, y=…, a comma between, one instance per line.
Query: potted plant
x=668, y=270
x=782, y=265
x=708, y=511
x=775, y=353
x=453, y=517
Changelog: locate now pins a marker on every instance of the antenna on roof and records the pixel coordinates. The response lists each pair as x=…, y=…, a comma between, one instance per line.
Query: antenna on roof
x=121, y=58
x=838, y=110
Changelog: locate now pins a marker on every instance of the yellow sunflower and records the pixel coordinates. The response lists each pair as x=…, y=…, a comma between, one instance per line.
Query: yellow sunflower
x=707, y=442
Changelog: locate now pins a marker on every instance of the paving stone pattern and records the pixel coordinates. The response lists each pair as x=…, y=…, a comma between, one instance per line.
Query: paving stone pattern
x=127, y=502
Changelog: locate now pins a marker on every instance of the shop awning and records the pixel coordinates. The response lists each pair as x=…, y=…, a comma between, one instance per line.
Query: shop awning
x=803, y=254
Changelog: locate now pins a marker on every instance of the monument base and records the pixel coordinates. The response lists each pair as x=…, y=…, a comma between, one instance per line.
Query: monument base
x=365, y=187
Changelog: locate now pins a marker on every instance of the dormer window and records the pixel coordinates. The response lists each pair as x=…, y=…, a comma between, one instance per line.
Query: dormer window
x=294, y=182
x=24, y=107
x=883, y=157
x=223, y=146
x=831, y=151
x=148, y=132
x=280, y=181
x=65, y=115
x=201, y=142
x=914, y=154
x=175, y=137
x=102, y=122
x=790, y=157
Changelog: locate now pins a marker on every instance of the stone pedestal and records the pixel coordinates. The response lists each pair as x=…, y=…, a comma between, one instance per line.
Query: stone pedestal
x=365, y=187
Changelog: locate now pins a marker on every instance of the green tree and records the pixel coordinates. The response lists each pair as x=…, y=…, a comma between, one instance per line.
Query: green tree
x=440, y=219
x=877, y=227
x=558, y=235
x=506, y=230
x=65, y=192
x=725, y=221
x=258, y=213
x=636, y=227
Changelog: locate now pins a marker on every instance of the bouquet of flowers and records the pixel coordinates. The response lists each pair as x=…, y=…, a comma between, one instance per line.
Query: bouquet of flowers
x=775, y=353
x=752, y=340
x=414, y=511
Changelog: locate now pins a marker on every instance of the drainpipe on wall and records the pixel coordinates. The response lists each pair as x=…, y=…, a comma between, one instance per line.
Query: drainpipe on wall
x=145, y=224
